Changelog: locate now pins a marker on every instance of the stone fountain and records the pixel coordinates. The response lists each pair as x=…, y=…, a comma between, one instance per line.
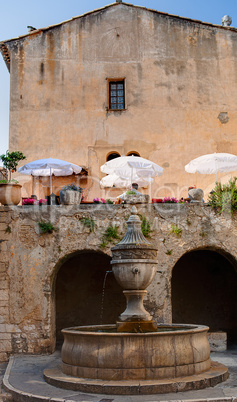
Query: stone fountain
x=136, y=356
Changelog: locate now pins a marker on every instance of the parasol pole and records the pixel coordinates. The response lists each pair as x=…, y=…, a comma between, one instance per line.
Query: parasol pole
x=216, y=166
x=51, y=186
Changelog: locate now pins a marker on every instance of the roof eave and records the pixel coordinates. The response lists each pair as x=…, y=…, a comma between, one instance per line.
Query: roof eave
x=6, y=55
x=37, y=31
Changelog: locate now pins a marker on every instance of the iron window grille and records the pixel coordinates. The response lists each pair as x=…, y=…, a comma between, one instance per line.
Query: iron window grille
x=116, y=95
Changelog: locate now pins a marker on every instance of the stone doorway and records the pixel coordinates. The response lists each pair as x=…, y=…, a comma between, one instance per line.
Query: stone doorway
x=204, y=288
x=78, y=292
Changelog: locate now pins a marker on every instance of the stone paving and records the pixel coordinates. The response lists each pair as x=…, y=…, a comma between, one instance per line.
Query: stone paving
x=24, y=379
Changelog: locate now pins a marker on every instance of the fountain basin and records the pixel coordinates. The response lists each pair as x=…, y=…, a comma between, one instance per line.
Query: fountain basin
x=99, y=352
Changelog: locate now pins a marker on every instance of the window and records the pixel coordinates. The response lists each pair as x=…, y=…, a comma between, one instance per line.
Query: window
x=134, y=153
x=112, y=155
x=116, y=95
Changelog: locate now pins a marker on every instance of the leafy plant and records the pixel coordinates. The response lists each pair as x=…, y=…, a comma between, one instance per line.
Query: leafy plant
x=72, y=187
x=188, y=222
x=4, y=181
x=10, y=161
x=89, y=223
x=176, y=230
x=110, y=234
x=109, y=201
x=169, y=252
x=103, y=244
x=131, y=192
x=203, y=234
x=46, y=227
x=8, y=229
x=146, y=227
x=224, y=197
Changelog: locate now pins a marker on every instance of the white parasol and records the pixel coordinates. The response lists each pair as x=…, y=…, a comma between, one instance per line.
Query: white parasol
x=212, y=163
x=132, y=167
x=113, y=180
x=49, y=167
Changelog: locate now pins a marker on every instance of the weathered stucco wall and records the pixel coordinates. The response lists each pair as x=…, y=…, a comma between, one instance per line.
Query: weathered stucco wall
x=30, y=263
x=180, y=92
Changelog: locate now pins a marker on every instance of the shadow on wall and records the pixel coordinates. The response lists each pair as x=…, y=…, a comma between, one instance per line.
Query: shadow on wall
x=79, y=288
x=204, y=287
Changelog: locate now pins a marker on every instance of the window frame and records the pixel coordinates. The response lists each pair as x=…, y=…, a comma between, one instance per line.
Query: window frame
x=117, y=80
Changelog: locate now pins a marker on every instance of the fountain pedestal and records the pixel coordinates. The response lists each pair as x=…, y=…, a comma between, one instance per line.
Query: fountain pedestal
x=135, y=318
x=134, y=266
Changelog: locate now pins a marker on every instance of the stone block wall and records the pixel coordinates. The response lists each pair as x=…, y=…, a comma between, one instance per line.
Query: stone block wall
x=30, y=261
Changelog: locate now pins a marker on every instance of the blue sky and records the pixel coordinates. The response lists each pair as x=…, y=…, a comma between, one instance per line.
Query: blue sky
x=17, y=14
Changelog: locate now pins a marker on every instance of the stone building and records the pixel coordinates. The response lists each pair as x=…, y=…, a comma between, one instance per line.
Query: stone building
x=124, y=80
x=119, y=80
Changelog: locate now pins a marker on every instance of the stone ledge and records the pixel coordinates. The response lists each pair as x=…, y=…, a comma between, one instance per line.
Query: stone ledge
x=217, y=373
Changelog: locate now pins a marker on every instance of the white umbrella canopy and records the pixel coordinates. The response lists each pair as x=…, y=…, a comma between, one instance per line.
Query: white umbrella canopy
x=132, y=166
x=212, y=163
x=113, y=180
x=49, y=167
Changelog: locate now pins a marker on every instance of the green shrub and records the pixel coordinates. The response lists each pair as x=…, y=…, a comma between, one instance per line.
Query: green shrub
x=176, y=230
x=8, y=229
x=224, y=197
x=110, y=234
x=131, y=192
x=89, y=223
x=10, y=161
x=46, y=227
x=146, y=227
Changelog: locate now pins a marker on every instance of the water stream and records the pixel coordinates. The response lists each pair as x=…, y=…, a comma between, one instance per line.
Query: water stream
x=103, y=296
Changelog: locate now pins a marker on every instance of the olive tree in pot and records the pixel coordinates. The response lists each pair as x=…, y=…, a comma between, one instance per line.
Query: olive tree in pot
x=70, y=195
x=10, y=189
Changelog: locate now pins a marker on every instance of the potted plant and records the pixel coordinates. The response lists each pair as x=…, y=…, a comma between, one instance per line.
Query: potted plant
x=70, y=194
x=132, y=197
x=10, y=189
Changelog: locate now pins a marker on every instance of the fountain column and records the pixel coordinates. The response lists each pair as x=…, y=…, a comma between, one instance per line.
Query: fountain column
x=134, y=266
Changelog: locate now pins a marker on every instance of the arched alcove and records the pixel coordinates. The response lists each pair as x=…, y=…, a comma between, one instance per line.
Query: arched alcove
x=79, y=292
x=112, y=155
x=204, y=287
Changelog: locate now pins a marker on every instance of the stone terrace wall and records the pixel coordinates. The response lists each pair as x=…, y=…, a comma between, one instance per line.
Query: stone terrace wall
x=29, y=261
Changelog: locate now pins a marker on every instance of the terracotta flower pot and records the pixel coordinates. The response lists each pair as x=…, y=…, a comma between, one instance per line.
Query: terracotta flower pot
x=10, y=193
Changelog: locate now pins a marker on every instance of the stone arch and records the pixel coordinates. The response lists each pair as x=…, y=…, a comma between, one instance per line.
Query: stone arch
x=112, y=155
x=203, y=290
x=78, y=291
x=134, y=153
